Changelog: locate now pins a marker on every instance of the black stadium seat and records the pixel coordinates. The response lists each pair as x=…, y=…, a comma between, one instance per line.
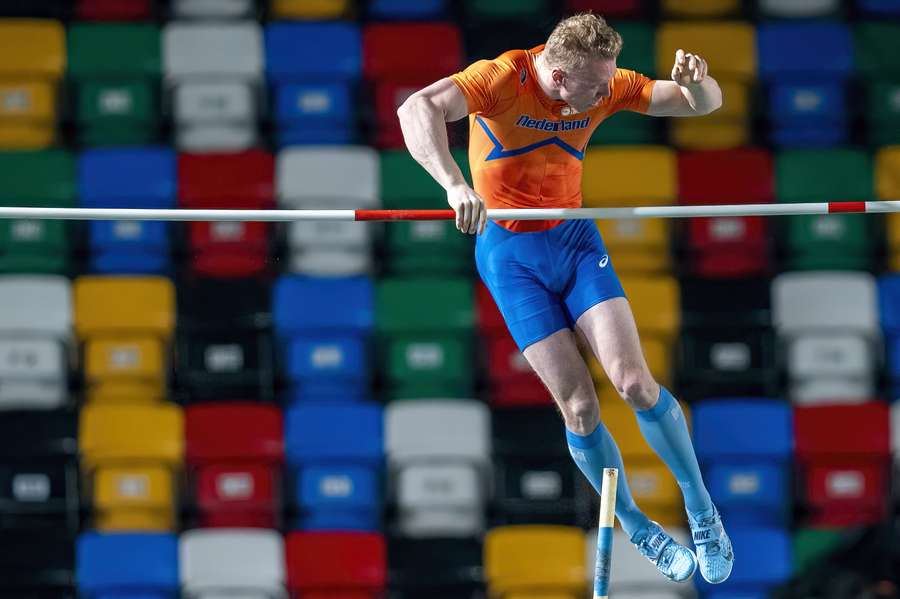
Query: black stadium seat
x=37, y=564
x=439, y=568
x=57, y=9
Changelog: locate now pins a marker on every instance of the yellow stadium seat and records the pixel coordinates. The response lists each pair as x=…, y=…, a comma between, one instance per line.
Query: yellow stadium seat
x=127, y=434
x=134, y=498
x=35, y=47
x=637, y=245
x=728, y=127
x=126, y=358
x=729, y=47
x=309, y=9
x=655, y=303
x=542, y=595
x=535, y=558
x=700, y=8
x=629, y=176
x=27, y=115
x=25, y=136
x=124, y=305
x=887, y=187
x=128, y=392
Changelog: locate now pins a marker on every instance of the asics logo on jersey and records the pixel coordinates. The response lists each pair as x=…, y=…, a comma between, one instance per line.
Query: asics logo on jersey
x=604, y=261
x=547, y=125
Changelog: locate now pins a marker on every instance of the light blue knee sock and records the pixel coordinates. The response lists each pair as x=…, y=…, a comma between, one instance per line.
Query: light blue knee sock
x=593, y=453
x=666, y=432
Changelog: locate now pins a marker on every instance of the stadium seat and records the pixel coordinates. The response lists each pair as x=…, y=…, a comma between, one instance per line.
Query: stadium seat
x=422, y=246
x=888, y=294
x=509, y=10
x=838, y=360
x=215, y=9
x=438, y=568
x=748, y=473
x=845, y=477
x=535, y=479
x=31, y=69
x=326, y=349
x=54, y=9
x=700, y=8
x=879, y=71
x=214, y=73
x=718, y=303
x=241, y=562
x=336, y=564
x=128, y=178
x=635, y=576
x=760, y=576
x=117, y=102
x=638, y=246
x=652, y=485
x=630, y=176
x=38, y=179
x=532, y=558
x=811, y=545
x=879, y=7
x=798, y=8
x=400, y=59
x=513, y=381
x=225, y=350
x=421, y=356
x=309, y=10
x=887, y=187
x=806, y=67
x=35, y=341
x=728, y=46
x=438, y=453
x=608, y=8
x=335, y=450
x=727, y=246
x=38, y=563
x=655, y=303
x=130, y=454
x=490, y=320
x=143, y=565
x=316, y=178
x=406, y=10
x=114, y=10
x=729, y=127
x=39, y=465
x=314, y=100
x=234, y=180
x=234, y=451
x=826, y=241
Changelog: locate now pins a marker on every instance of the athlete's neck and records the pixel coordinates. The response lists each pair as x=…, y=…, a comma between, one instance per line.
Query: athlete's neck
x=545, y=77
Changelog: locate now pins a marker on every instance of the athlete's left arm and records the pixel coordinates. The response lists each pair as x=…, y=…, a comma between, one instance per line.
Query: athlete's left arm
x=690, y=93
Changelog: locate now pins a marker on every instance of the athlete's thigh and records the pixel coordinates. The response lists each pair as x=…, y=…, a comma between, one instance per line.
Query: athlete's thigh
x=592, y=279
x=559, y=364
x=610, y=330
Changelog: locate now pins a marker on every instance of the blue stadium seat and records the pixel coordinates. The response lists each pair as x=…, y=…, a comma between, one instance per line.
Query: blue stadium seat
x=407, y=9
x=889, y=309
x=745, y=447
x=322, y=325
x=806, y=66
x=314, y=98
x=768, y=562
x=880, y=7
x=127, y=566
x=335, y=451
x=128, y=178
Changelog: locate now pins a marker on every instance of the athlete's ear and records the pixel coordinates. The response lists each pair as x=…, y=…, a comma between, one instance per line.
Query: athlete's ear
x=559, y=77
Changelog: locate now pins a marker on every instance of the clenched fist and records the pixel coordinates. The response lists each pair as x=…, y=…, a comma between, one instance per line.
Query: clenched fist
x=471, y=214
x=689, y=69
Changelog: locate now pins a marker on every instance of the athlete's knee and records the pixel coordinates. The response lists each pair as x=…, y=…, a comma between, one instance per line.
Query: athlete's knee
x=580, y=411
x=638, y=389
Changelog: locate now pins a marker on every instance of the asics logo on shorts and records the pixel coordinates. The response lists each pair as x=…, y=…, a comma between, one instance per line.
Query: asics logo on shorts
x=604, y=261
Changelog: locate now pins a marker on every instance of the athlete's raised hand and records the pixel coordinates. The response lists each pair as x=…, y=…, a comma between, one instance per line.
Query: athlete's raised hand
x=471, y=214
x=689, y=69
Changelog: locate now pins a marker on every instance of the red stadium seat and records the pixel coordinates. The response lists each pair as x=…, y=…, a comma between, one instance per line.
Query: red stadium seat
x=513, y=381
x=242, y=180
x=727, y=246
x=411, y=51
x=490, y=321
x=389, y=95
x=235, y=451
x=844, y=454
x=349, y=565
x=115, y=10
x=607, y=8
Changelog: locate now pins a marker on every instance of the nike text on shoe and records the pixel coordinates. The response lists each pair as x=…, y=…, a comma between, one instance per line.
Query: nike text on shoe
x=675, y=561
x=714, y=551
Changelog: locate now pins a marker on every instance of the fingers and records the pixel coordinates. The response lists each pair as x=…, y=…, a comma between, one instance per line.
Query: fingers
x=482, y=223
x=688, y=68
x=461, y=222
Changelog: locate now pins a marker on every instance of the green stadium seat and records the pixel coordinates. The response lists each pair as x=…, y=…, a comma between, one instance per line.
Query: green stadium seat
x=519, y=10
x=425, y=326
x=423, y=246
x=115, y=69
x=878, y=63
x=813, y=544
x=36, y=179
x=827, y=241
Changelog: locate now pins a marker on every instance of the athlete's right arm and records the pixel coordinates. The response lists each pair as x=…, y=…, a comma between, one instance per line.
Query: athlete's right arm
x=423, y=118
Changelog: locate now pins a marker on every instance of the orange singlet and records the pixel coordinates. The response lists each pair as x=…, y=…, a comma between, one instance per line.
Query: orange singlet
x=525, y=149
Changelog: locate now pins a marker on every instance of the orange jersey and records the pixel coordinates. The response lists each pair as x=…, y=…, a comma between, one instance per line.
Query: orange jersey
x=526, y=149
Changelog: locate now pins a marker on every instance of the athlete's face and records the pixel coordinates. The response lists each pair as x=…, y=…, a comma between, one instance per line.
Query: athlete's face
x=584, y=88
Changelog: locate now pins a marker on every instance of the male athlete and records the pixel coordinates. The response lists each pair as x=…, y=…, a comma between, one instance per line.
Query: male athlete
x=532, y=113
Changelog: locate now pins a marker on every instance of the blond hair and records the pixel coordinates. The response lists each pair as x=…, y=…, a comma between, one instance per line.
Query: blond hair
x=580, y=38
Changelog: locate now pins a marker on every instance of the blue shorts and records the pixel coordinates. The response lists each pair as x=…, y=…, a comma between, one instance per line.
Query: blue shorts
x=543, y=281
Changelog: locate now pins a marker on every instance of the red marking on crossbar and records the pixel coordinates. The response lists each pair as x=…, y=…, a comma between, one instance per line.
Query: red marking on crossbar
x=834, y=207
x=405, y=215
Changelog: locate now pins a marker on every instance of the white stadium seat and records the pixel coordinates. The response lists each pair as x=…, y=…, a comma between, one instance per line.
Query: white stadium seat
x=213, y=115
x=220, y=9
x=813, y=301
x=226, y=562
x=798, y=8
x=831, y=367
